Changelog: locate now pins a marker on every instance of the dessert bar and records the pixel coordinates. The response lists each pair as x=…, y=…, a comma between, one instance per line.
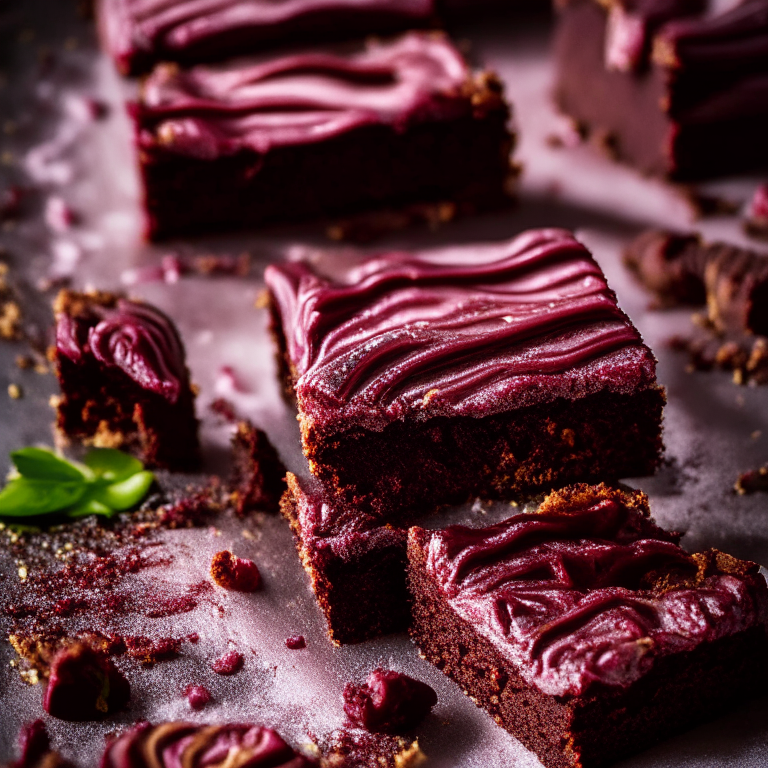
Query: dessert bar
x=584, y=629
x=355, y=564
x=124, y=380
x=318, y=134
x=673, y=87
x=140, y=33
x=426, y=378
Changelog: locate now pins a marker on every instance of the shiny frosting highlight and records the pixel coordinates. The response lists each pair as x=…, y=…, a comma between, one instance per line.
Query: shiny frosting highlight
x=471, y=331
x=134, y=337
x=305, y=98
x=186, y=745
x=570, y=598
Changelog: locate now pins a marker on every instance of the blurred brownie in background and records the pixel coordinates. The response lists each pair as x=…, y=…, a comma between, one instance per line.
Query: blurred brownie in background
x=674, y=87
x=314, y=134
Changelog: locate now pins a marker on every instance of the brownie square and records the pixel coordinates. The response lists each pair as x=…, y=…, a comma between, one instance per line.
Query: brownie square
x=484, y=370
x=670, y=87
x=355, y=564
x=585, y=630
x=394, y=124
x=124, y=381
x=140, y=33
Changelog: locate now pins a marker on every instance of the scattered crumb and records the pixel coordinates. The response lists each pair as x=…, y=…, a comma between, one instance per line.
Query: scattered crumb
x=15, y=392
x=752, y=481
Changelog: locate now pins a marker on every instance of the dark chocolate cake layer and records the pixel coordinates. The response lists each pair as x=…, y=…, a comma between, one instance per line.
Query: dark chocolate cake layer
x=424, y=378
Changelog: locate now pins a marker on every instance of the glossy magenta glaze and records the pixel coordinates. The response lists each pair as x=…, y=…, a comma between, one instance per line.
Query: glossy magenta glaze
x=166, y=29
x=185, y=745
x=209, y=112
x=566, y=598
x=471, y=331
x=134, y=337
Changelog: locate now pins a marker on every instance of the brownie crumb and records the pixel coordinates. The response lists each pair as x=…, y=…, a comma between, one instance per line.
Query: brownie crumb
x=356, y=748
x=84, y=685
x=756, y=221
x=388, y=702
x=752, y=481
x=10, y=311
x=258, y=479
x=296, y=642
x=198, y=696
x=223, y=408
x=235, y=573
x=228, y=664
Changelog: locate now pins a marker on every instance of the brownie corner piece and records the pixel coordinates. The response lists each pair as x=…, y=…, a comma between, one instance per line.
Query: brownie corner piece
x=392, y=124
x=356, y=564
x=425, y=378
x=121, y=368
x=677, y=89
x=584, y=629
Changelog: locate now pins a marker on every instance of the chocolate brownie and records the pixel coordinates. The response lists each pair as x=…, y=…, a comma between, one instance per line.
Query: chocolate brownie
x=585, y=630
x=487, y=370
x=673, y=86
x=140, y=33
x=123, y=377
x=393, y=123
x=355, y=564
x=209, y=746
x=258, y=475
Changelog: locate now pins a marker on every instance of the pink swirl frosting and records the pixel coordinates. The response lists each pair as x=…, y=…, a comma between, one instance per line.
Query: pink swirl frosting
x=473, y=330
x=134, y=337
x=563, y=596
x=185, y=745
x=300, y=99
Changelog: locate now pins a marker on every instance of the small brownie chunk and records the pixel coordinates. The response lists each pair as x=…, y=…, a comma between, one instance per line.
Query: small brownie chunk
x=138, y=34
x=356, y=565
x=124, y=381
x=35, y=749
x=258, y=477
x=670, y=86
x=733, y=284
x=315, y=134
x=584, y=629
x=485, y=370
x=201, y=746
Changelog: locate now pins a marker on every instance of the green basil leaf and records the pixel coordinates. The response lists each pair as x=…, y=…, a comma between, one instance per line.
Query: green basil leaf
x=87, y=507
x=43, y=464
x=112, y=465
x=127, y=493
x=27, y=497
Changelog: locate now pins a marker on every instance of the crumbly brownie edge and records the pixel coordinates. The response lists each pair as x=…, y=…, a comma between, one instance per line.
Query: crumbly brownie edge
x=591, y=731
x=447, y=460
x=362, y=598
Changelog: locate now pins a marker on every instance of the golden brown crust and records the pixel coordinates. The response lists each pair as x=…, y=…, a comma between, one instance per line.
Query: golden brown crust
x=574, y=498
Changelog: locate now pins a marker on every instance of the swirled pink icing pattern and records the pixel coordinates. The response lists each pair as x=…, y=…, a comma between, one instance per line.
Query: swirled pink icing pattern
x=207, y=112
x=561, y=595
x=134, y=337
x=168, y=28
x=186, y=745
x=471, y=331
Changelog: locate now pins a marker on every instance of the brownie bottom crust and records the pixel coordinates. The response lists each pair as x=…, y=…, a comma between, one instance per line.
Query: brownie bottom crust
x=593, y=730
x=465, y=161
x=106, y=409
x=358, y=580
x=411, y=466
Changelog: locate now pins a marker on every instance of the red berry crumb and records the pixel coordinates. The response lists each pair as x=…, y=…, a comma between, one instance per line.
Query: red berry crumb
x=296, y=642
x=198, y=696
x=235, y=573
x=228, y=664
